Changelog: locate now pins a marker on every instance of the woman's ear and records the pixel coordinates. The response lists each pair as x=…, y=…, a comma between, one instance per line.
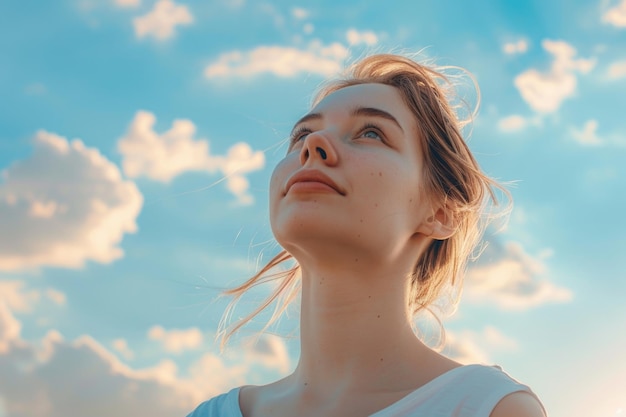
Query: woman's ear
x=439, y=226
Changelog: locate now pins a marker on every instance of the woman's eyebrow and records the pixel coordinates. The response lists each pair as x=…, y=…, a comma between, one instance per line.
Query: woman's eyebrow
x=359, y=111
x=374, y=112
x=308, y=117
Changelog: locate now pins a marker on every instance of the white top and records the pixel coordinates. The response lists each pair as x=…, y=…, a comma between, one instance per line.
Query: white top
x=465, y=391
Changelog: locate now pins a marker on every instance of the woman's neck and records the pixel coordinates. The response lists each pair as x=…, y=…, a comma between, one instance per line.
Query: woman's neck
x=355, y=330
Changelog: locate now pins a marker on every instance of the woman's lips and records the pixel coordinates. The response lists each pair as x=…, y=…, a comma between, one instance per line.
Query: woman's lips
x=312, y=180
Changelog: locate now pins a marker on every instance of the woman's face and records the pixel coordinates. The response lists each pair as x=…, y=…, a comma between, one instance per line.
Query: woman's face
x=350, y=182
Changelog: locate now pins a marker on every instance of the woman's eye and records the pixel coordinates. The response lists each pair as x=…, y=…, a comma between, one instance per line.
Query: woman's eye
x=371, y=134
x=299, y=135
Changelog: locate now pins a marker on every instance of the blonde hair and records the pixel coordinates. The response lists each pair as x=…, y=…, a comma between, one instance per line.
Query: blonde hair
x=451, y=176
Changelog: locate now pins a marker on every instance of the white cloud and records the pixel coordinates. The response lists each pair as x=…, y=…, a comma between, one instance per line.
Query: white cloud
x=250, y=363
x=127, y=3
x=616, y=16
x=512, y=123
x=617, y=70
x=281, y=61
x=273, y=12
x=588, y=134
x=20, y=299
x=464, y=350
x=476, y=347
x=162, y=157
x=63, y=206
x=161, y=21
x=516, y=122
x=41, y=379
x=367, y=37
x=545, y=91
x=270, y=351
x=56, y=296
x=121, y=346
x=519, y=47
x=300, y=13
x=16, y=297
x=44, y=381
x=308, y=28
x=513, y=282
x=176, y=340
x=10, y=329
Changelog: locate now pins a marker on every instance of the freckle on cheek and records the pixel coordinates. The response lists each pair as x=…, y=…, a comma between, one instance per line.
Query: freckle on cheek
x=380, y=174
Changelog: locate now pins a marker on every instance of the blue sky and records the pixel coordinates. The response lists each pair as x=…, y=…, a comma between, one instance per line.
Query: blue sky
x=137, y=138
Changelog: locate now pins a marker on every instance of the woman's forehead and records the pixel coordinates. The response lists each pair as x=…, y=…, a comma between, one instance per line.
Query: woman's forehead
x=372, y=96
x=363, y=95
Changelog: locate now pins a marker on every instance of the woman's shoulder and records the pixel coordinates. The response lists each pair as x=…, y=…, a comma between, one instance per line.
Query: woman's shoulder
x=519, y=404
x=478, y=390
x=224, y=405
x=491, y=389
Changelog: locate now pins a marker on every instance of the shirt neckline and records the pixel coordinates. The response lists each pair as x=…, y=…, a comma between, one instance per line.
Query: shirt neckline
x=437, y=381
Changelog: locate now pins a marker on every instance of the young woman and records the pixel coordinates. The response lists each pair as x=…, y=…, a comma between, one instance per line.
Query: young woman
x=380, y=202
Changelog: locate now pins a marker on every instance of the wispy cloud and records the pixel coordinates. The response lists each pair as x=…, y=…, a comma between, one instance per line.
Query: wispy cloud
x=617, y=70
x=470, y=346
x=127, y=3
x=515, y=280
x=616, y=15
x=177, y=340
x=516, y=122
x=56, y=296
x=10, y=329
x=15, y=296
x=300, y=13
x=588, y=135
x=545, y=91
x=464, y=349
x=367, y=37
x=63, y=206
x=289, y=61
x=162, y=20
x=162, y=157
x=281, y=61
x=121, y=346
x=269, y=351
x=517, y=47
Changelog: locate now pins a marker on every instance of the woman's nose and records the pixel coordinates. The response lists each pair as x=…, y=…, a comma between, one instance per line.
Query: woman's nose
x=318, y=147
